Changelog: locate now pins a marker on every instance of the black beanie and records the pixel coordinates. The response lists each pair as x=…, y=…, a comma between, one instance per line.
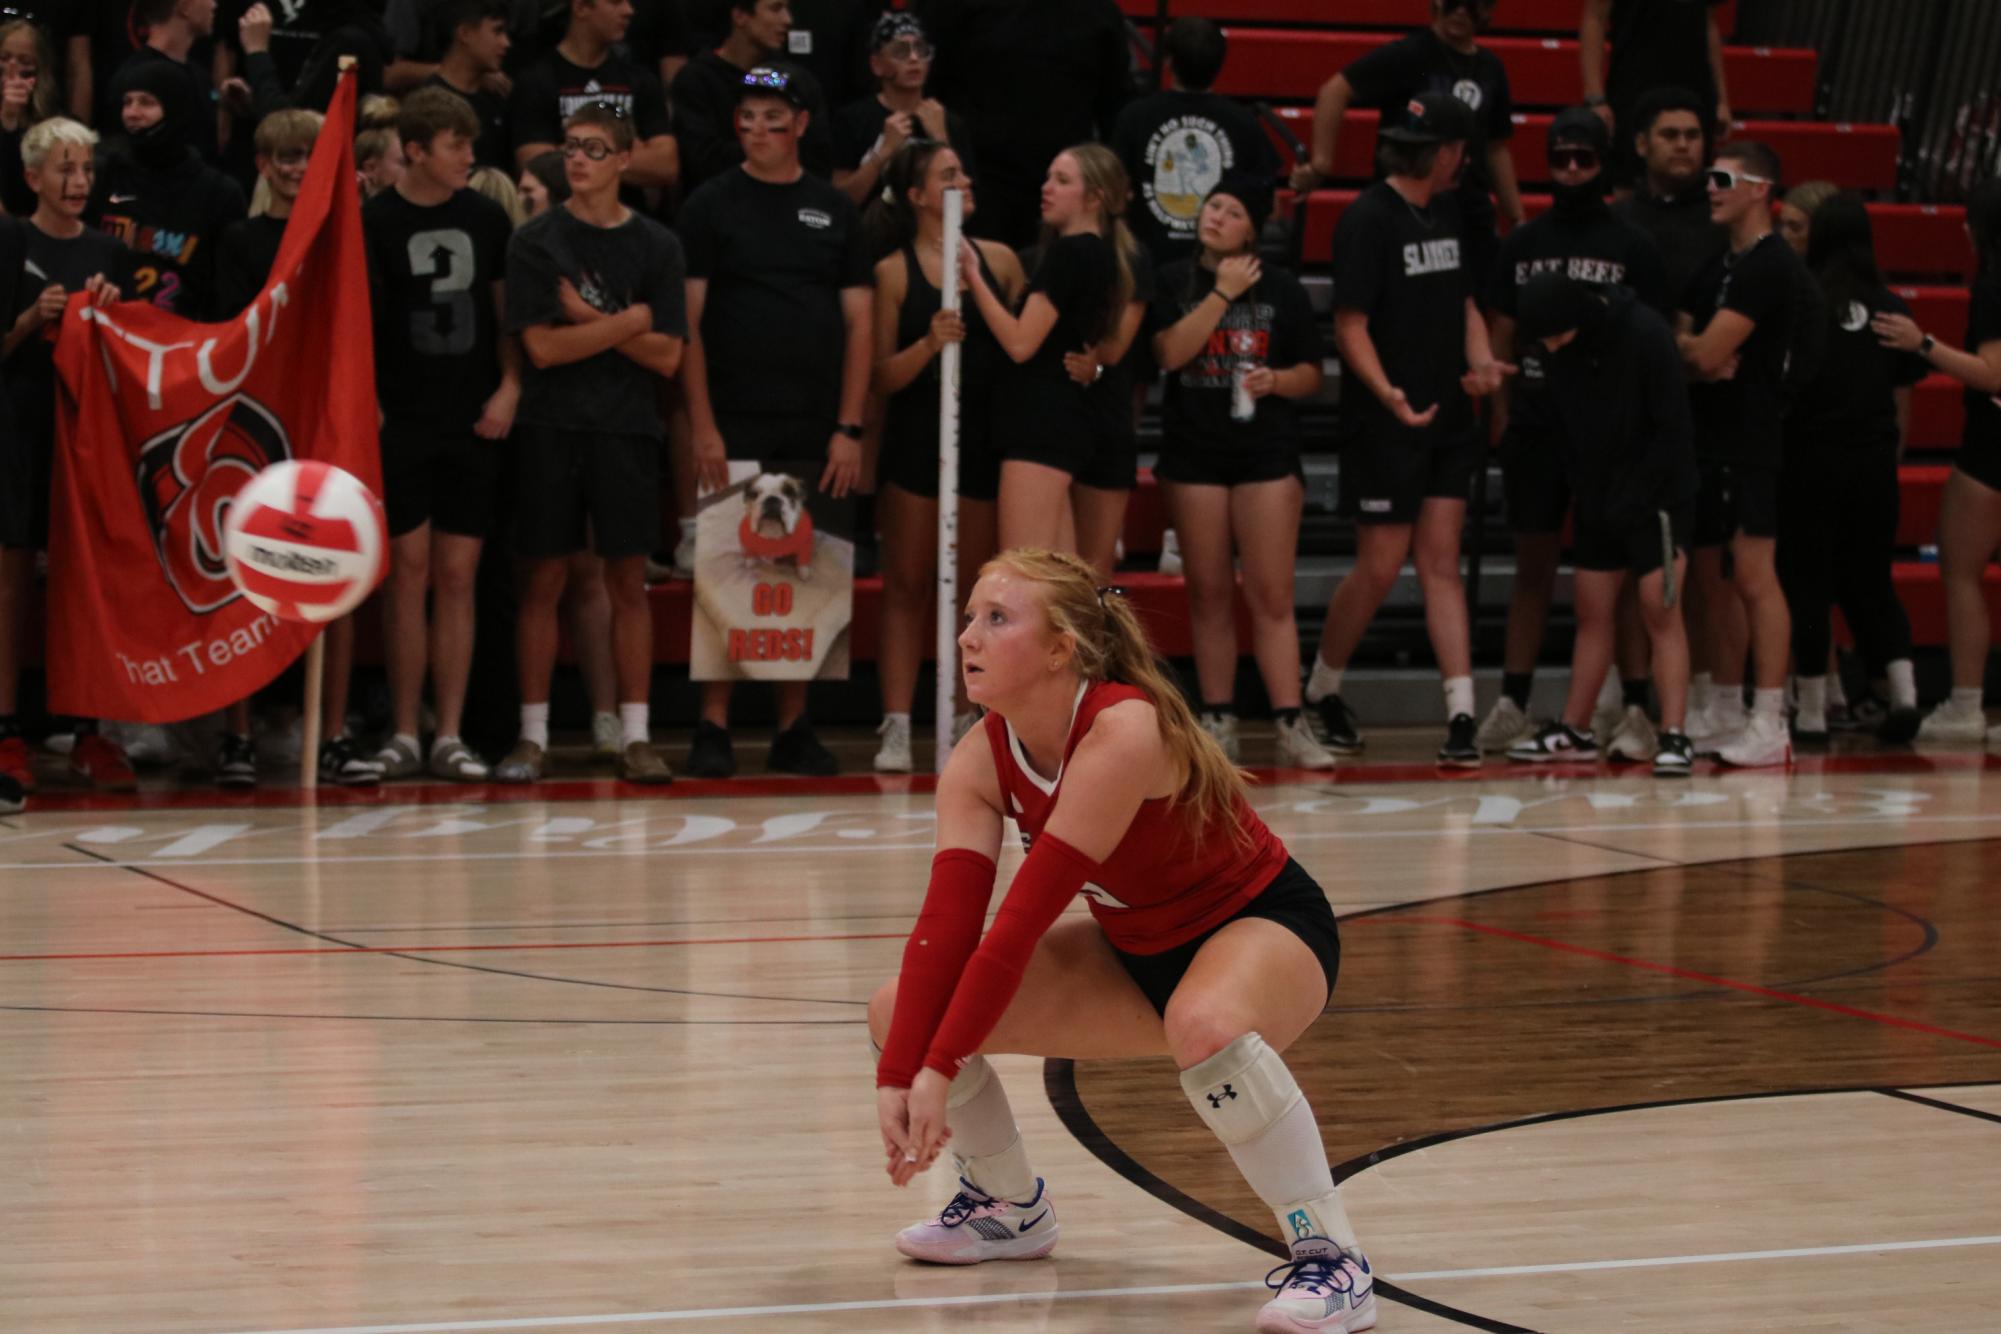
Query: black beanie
x=1250, y=190
x=1553, y=303
x=1580, y=126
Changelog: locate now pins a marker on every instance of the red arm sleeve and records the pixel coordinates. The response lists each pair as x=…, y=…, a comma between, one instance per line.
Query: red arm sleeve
x=947, y=932
x=1044, y=886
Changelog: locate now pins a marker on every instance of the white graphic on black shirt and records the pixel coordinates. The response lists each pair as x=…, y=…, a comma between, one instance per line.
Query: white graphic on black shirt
x=1187, y=156
x=1422, y=257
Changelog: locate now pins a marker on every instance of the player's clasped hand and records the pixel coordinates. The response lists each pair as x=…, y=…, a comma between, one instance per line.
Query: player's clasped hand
x=913, y=1125
x=1486, y=377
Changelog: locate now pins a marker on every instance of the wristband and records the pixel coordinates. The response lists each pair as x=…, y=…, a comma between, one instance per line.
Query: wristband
x=1926, y=345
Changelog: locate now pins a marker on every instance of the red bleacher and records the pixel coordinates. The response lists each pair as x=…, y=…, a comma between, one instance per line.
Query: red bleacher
x=1291, y=64
x=1514, y=16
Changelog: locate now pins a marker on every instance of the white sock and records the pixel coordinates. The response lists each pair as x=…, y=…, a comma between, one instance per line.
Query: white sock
x=1611, y=693
x=903, y=718
x=1771, y=703
x=535, y=723
x=1813, y=703
x=408, y=740
x=1323, y=682
x=1903, y=684
x=441, y=740
x=1967, y=700
x=1698, y=691
x=986, y=1146
x=688, y=525
x=632, y=720
x=1726, y=699
x=1458, y=696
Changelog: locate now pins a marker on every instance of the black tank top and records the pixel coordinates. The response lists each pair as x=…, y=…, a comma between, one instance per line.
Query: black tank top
x=912, y=417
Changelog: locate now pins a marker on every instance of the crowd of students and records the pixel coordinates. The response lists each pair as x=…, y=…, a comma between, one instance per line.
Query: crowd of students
x=609, y=257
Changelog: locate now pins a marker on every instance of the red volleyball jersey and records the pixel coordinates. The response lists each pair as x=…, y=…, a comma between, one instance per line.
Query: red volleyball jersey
x=1163, y=885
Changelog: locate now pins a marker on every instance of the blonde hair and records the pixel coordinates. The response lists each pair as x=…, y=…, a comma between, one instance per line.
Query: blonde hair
x=44, y=135
x=291, y=128
x=1110, y=644
x=378, y=112
x=1104, y=177
x=1808, y=196
x=496, y=185
x=260, y=197
x=44, y=101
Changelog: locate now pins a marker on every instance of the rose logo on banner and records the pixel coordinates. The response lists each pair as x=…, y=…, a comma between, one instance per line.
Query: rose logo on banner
x=188, y=476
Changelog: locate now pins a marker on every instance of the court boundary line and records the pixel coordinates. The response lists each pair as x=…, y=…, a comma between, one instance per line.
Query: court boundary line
x=1940, y=1104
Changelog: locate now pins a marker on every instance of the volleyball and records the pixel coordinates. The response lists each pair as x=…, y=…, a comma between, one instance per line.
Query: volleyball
x=304, y=541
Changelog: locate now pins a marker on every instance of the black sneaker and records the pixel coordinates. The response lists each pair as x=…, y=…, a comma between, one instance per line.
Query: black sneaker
x=342, y=763
x=711, y=755
x=797, y=751
x=1675, y=756
x=1900, y=727
x=13, y=796
x=1554, y=741
x=1338, y=726
x=1867, y=714
x=1461, y=750
x=235, y=762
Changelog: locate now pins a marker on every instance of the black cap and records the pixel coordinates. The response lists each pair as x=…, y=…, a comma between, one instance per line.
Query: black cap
x=1580, y=127
x=1554, y=303
x=1430, y=118
x=1249, y=189
x=772, y=81
x=894, y=26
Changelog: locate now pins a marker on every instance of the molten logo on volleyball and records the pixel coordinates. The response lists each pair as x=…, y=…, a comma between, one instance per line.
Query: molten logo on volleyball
x=304, y=541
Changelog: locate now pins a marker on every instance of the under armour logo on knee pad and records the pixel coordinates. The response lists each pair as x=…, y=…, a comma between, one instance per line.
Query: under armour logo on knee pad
x=1216, y=1099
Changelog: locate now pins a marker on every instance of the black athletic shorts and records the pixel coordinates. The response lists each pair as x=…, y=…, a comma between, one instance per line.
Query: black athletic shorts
x=1636, y=547
x=1388, y=471
x=1205, y=463
x=1533, y=487
x=432, y=474
x=1293, y=899
x=910, y=455
x=1981, y=462
x=26, y=461
x=1735, y=498
x=1040, y=418
x=575, y=487
x=773, y=436
x=1113, y=464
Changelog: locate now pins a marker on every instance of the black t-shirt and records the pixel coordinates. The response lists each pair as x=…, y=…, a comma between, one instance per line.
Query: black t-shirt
x=243, y=262
x=431, y=272
x=612, y=268
x=113, y=33
x=1592, y=246
x=1079, y=275
x=1176, y=147
x=552, y=88
x=31, y=371
x=1622, y=401
x=1681, y=227
x=1851, y=400
x=297, y=27
x=859, y=124
x=1270, y=325
x=829, y=40
x=1741, y=420
x=776, y=259
x=705, y=98
x=659, y=29
x=1657, y=43
x=172, y=220
x=1388, y=77
x=1983, y=325
x=495, y=145
x=1403, y=267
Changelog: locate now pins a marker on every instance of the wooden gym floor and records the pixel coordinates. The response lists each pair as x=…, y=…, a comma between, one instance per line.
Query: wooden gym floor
x=1606, y=1054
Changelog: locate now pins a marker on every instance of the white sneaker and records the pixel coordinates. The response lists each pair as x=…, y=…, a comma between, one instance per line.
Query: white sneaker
x=975, y=1227
x=1764, y=743
x=1170, y=553
x=1223, y=728
x=1323, y=1288
x=607, y=736
x=1720, y=721
x=1633, y=739
x=1298, y=748
x=145, y=744
x=1951, y=723
x=1505, y=724
x=684, y=552
x=894, y=757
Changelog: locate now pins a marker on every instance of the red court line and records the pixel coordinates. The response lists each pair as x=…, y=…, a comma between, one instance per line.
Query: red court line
x=451, y=949
x=1565, y=947
x=605, y=789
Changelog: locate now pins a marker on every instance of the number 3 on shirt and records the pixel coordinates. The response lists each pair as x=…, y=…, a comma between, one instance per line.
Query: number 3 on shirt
x=447, y=328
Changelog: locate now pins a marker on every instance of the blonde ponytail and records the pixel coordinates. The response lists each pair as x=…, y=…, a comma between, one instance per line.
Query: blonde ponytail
x=1111, y=645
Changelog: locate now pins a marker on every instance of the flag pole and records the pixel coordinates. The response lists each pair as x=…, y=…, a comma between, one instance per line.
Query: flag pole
x=309, y=729
x=948, y=489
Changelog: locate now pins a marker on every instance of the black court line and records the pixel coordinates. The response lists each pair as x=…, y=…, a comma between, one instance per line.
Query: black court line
x=1962, y=1109
x=1600, y=847
x=426, y=1018
x=374, y=952
x=1059, y=1083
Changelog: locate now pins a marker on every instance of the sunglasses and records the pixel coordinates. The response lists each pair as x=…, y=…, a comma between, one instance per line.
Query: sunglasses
x=909, y=50
x=1724, y=179
x=1575, y=159
x=597, y=150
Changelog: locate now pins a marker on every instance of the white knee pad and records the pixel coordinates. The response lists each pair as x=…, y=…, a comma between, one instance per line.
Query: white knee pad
x=1242, y=1090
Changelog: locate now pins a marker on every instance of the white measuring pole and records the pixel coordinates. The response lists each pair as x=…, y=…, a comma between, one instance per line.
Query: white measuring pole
x=948, y=487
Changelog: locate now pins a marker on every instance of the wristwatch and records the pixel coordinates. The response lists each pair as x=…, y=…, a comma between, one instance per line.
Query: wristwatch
x=1926, y=345
x=852, y=430
x=1594, y=99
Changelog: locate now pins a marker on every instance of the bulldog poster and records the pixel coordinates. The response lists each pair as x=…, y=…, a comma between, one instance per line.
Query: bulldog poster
x=774, y=577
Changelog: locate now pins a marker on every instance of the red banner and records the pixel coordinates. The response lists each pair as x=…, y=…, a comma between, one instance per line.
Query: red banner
x=161, y=421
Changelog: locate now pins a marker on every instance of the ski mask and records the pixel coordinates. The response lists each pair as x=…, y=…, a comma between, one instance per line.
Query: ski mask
x=164, y=143
x=1579, y=130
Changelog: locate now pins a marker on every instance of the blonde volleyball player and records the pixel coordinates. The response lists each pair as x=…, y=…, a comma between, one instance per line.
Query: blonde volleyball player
x=1206, y=941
